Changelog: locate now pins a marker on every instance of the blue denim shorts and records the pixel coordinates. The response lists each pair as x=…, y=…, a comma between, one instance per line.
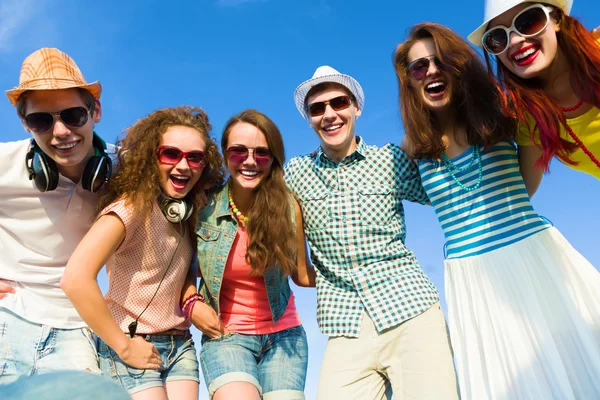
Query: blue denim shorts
x=27, y=348
x=275, y=363
x=179, y=363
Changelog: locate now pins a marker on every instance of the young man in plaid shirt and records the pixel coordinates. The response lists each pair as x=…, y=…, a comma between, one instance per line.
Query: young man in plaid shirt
x=387, y=333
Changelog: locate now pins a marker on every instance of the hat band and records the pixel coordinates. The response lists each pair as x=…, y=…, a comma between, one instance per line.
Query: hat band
x=37, y=83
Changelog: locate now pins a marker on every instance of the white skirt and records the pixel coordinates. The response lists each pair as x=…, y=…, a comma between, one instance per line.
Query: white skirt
x=525, y=321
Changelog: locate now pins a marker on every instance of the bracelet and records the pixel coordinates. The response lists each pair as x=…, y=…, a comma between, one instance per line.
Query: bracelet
x=188, y=299
x=190, y=309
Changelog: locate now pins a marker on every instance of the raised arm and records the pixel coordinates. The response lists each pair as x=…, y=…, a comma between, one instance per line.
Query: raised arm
x=79, y=282
x=305, y=274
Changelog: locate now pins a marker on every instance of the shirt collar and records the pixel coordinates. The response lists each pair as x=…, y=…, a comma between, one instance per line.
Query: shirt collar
x=358, y=154
x=222, y=201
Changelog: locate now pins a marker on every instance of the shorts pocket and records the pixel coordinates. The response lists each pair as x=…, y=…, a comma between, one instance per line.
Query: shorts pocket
x=222, y=338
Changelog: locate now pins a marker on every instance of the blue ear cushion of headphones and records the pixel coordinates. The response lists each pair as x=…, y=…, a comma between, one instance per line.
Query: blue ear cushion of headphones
x=97, y=171
x=45, y=172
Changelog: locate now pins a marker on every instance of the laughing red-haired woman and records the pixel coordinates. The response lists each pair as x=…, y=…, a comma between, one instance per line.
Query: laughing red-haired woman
x=548, y=67
x=523, y=304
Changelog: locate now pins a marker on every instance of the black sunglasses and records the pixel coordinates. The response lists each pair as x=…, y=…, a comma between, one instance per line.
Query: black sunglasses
x=337, y=103
x=42, y=122
x=418, y=68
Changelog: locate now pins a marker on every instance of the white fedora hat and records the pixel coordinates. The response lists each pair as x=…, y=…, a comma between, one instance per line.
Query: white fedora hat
x=325, y=74
x=493, y=8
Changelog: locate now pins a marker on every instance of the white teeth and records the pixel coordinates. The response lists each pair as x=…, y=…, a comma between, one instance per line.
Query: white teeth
x=65, y=146
x=435, y=84
x=333, y=127
x=249, y=173
x=180, y=179
x=525, y=54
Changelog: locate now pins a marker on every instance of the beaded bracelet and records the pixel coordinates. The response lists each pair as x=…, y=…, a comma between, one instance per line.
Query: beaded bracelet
x=188, y=299
x=190, y=309
x=188, y=304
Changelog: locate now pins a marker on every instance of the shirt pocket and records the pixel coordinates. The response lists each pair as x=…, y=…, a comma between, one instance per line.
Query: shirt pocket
x=315, y=209
x=208, y=241
x=377, y=205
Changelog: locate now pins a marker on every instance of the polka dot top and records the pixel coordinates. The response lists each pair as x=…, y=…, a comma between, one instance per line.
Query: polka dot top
x=136, y=268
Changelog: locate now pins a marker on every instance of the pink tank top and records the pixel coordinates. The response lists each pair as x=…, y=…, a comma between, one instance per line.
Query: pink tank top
x=244, y=301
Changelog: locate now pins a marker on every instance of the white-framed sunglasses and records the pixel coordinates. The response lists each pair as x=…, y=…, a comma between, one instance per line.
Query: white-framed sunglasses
x=528, y=23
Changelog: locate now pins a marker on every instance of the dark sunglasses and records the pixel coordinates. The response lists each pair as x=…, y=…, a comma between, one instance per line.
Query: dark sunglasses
x=337, y=103
x=42, y=122
x=237, y=154
x=172, y=155
x=530, y=22
x=419, y=67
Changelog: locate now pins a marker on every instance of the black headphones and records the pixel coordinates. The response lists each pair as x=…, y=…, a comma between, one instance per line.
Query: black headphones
x=175, y=210
x=44, y=171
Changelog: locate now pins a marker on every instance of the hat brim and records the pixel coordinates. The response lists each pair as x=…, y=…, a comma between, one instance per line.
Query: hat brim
x=95, y=88
x=345, y=80
x=476, y=36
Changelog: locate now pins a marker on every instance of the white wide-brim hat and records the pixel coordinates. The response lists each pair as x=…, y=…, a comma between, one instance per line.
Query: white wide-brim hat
x=494, y=8
x=325, y=74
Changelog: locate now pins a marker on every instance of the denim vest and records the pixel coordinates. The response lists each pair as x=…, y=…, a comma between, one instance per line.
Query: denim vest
x=216, y=230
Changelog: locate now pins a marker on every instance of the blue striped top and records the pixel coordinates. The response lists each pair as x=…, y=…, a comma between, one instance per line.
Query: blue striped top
x=496, y=214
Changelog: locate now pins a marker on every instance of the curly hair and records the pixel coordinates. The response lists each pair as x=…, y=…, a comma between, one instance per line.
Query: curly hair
x=137, y=180
x=272, y=236
x=476, y=99
x=527, y=96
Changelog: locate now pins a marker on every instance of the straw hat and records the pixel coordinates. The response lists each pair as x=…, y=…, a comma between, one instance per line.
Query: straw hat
x=325, y=74
x=493, y=8
x=51, y=69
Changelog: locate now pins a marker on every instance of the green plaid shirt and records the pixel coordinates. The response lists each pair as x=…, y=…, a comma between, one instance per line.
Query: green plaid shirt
x=354, y=224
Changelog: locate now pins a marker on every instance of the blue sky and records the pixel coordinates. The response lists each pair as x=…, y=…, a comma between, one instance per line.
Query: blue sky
x=228, y=55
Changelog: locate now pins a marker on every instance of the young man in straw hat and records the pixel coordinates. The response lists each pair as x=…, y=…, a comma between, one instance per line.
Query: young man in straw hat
x=48, y=193
x=382, y=314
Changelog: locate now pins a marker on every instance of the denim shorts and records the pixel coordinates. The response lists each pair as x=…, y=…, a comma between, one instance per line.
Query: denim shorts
x=275, y=363
x=179, y=363
x=27, y=348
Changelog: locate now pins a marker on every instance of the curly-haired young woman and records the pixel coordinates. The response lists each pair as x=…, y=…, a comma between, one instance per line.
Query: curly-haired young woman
x=144, y=235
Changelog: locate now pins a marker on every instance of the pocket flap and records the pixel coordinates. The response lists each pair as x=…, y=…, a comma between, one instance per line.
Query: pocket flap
x=313, y=195
x=207, y=234
x=375, y=190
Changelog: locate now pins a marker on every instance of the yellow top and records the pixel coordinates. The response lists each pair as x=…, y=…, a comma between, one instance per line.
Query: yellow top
x=586, y=127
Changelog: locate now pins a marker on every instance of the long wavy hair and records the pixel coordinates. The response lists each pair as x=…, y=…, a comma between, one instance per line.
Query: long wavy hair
x=476, y=100
x=137, y=180
x=527, y=96
x=272, y=236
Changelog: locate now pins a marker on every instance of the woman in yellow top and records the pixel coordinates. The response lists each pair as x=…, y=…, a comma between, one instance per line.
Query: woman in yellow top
x=548, y=65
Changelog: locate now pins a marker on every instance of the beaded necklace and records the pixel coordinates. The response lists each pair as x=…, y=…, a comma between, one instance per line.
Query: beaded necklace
x=242, y=219
x=452, y=167
x=575, y=137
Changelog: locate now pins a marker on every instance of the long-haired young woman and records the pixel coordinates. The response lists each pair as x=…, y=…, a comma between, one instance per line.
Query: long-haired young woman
x=523, y=305
x=250, y=241
x=144, y=235
x=548, y=68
